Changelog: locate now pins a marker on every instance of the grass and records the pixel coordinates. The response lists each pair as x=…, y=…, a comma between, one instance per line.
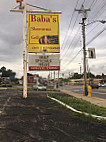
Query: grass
x=81, y=105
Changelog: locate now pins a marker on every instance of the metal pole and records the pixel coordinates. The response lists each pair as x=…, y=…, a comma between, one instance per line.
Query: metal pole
x=84, y=55
x=54, y=78
x=80, y=67
x=51, y=75
x=58, y=77
x=24, y=53
x=54, y=75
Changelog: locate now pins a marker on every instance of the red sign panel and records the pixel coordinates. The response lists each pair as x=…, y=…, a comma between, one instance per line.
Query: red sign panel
x=31, y=68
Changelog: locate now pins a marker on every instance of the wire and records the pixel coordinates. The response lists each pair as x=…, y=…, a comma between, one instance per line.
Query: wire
x=87, y=44
x=74, y=57
x=100, y=8
x=96, y=36
x=37, y=6
x=75, y=36
x=69, y=25
x=93, y=3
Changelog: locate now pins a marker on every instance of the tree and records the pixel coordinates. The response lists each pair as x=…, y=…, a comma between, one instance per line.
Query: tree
x=7, y=73
x=76, y=76
x=90, y=75
x=98, y=76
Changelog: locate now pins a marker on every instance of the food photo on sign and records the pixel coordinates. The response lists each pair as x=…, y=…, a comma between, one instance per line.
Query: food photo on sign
x=49, y=40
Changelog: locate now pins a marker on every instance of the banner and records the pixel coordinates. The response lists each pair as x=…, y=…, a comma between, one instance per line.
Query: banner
x=43, y=33
x=44, y=62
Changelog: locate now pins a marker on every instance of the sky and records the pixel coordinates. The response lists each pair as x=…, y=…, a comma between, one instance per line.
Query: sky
x=71, y=42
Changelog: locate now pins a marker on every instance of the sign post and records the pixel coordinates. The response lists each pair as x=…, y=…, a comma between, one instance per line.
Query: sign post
x=22, y=8
x=24, y=53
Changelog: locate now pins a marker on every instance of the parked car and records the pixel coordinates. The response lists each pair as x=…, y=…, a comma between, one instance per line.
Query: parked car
x=60, y=84
x=102, y=84
x=39, y=87
x=94, y=86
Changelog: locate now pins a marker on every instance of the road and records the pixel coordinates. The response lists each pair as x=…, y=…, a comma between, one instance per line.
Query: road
x=100, y=93
x=39, y=119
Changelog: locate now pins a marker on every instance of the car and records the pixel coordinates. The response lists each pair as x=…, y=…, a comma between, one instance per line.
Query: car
x=94, y=86
x=102, y=84
x=60, y=84
x=39, y=87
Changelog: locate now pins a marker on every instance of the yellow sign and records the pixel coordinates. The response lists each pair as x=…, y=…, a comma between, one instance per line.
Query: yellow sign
x=43, y=33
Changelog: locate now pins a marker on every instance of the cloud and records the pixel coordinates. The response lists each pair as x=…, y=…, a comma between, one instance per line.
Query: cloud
x=11, y=35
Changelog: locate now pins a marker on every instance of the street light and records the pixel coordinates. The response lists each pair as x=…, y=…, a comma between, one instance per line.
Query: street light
x=101, y=21
x=80, y=67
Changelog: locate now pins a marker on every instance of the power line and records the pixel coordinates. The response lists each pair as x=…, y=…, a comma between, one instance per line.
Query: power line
x=74, y=57
x=75, y=36
x=93, y=3
x=73, y=25
x=88, y=44
x=98, y=9
x=69, y=25
x=96, y=36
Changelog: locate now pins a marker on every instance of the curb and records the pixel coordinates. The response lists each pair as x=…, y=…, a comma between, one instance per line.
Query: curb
x=67, y=106
x=99, y=101
x=3, y=88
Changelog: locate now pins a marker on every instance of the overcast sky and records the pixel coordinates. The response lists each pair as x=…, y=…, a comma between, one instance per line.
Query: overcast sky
x=11, y=36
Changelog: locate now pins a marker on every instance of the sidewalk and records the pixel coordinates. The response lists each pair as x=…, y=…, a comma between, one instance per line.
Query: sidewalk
x=93, y=100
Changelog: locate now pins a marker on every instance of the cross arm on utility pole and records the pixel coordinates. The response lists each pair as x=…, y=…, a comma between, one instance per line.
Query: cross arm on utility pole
x=83, y=11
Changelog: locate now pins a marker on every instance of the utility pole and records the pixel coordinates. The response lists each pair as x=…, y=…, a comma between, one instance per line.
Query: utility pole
x=84, y=12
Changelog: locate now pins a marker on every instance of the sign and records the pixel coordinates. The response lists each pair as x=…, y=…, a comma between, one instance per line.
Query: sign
x=91, y=52
x=44, y=62
x=43, y=33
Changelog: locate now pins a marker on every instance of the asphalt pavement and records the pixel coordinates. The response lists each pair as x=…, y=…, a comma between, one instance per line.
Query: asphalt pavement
x=39, y=119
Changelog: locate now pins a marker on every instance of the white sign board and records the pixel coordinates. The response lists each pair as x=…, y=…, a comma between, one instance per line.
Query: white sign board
x=44, y=62
x=92, y=53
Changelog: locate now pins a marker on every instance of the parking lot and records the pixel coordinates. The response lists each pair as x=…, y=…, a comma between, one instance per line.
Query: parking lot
x=39, y=119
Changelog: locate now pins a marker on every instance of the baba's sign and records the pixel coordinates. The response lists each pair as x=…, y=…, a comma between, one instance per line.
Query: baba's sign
x=43, y=33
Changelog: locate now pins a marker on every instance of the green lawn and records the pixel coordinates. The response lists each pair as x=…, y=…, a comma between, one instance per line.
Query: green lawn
x=81, y=105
